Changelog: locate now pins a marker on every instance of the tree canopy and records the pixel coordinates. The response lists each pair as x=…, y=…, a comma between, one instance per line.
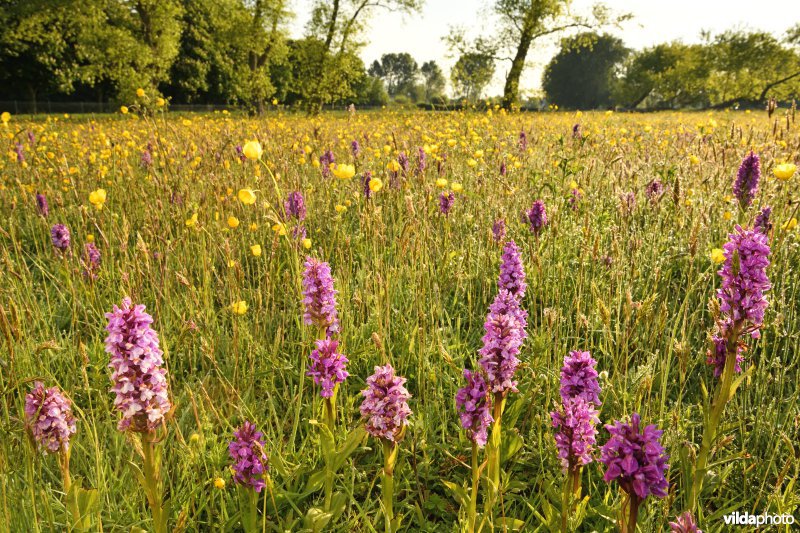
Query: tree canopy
x=582, y=74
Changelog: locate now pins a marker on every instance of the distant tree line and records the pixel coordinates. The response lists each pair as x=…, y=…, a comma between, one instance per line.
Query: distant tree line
x=732, y=68
x=240, y=52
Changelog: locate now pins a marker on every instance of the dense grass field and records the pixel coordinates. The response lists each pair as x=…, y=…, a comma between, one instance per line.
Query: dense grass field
x=625, y=275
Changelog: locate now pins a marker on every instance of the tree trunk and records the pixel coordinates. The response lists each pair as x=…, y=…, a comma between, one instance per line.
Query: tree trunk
x=32, y=96
x=511, y=90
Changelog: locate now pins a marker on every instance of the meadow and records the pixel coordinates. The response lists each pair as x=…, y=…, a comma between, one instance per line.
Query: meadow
x=191, y=219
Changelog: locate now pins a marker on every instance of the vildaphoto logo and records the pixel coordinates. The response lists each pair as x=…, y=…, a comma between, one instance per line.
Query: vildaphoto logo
x=762, y=519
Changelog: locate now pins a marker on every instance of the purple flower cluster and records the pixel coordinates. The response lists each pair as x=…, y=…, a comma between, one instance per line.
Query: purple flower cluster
x=512, y=273
x=579, y=378
x=635, y=459
x=473, y=402
x=385, y=404
x=536, y=217
x=421, y=163
x=140, y=382
x=746, y=185
x=402, y=159
x=575, y=196
x=576, y=434
x=147, y=158
x=325, y=162
x=505, y=332
x=41, y=205
x=654, y=190
x=250, y=462
x=365, y=179
x=576, y=132
x=355, y=148
x=718, y=353
x=295, y=206
x=446, y=201
x=91, y=260
x=503, y=169
x=499, y=229
x=48, y=415
x=59, y=234
x=523, y=141
x=327, y=366
x=319, y=296
x=762, y=222
x=684, y=524
x=744, y=277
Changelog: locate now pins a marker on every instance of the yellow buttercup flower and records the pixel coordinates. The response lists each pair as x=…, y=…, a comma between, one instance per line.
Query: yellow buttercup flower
x=717, y=256
x=727, y=215
x=344, y=172
x=789, y=225
x=252, y=150
x=140, y=92
x=123, y=110
x=90, y=238
x=441, y=183
x=256, y=250
x=239, y=308
x=375, y=184
x=307, y=243
x=457, y=187
x=219, y=483
x=784, y=171
x=191, y=221
x=693, y=159
x=233, y=222
x=393, y=166
x=247, y=196
x=97, y=198
x=280, y=229
x=5, y=117
x=340, y=208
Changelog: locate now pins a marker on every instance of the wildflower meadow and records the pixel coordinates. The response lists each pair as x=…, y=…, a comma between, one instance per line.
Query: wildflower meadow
x=394, y=321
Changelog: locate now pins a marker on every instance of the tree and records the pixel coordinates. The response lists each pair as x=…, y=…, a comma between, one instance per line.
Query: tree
x=334, y=25
x=433, y=81
x=582, y=73
x=750, y=66
x=665, y=76
x=39, y=46
x=398, y=71
x=520, y=23
x=471, y=74
x=298, y=79
x=132, y=44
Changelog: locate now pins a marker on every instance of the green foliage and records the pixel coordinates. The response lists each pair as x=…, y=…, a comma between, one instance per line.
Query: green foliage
x=38, y=45
x=471, y=74
x=132, y=45
x=581, y=75
x=398, y=71
x=434, y=81
x=732, y=67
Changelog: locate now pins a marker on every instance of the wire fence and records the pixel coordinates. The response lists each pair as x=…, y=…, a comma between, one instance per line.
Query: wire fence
x=29, y=107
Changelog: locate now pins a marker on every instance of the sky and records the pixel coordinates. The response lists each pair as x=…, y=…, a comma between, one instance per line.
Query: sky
x=653, y=22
